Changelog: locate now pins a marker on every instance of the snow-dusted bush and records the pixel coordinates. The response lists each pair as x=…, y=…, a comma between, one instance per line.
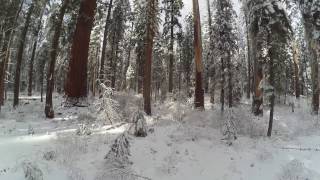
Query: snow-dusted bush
x=108, y=107
x=118, y=165
x=229, y=130
x=120, y=151
x=50, y=155
x=140, y=129
x=32, y=171
x=83, y=129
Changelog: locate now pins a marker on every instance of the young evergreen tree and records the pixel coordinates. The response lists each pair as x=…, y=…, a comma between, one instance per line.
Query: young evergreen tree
x=172, y=13
x=225, y=47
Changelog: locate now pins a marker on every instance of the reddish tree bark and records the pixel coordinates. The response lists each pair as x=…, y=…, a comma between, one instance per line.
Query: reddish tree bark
x=53, y=56
x=148, y=46
x=199, y=92
x=76, y=83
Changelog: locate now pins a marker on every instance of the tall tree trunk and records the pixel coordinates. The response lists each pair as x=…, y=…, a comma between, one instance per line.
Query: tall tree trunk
x=272, y=96
x=230, y=85
x=105, y=41
x=114, y=67
x=148, y=46
x=257, y=102
x=32, y=58
x=249, y=88
x=222, y=83
x=314, y=64
x=199, y=92
x=296, y=71
x=20, y=54
x=171, y=58
x=76, y=84
x=53, y=56
x=126, y=66
x=210, y=57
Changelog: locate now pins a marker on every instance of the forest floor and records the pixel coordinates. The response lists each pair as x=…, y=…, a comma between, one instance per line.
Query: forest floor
x=182, y=144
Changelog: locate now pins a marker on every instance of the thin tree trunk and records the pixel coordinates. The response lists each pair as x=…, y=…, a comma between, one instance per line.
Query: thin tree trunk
x=211, y=63
x=296, y=71
x=53, y=56
x=272, y=97
x=223, y=79
x=151, y=13
x=199, y=92
x=32, y=58
x=19, y=56
x=249, y=88
x=76, y=84
x=171, y=58
x=105, y=41
x=230, y=85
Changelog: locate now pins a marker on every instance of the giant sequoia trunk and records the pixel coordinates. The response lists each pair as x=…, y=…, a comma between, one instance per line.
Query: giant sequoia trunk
x=32, y=58
x=148, y=47
x=76, y=84
x=105, y=41
x=19, y=56
x=199, y=92
x=53, y=56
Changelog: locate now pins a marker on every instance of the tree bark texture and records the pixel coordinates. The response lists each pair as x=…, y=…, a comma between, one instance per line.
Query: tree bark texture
x=76, y=84
x=199, y=92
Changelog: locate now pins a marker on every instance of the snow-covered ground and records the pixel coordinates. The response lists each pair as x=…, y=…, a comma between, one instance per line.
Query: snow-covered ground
x=182, y=143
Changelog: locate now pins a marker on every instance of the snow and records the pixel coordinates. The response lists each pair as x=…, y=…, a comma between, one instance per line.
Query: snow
x=182, y=143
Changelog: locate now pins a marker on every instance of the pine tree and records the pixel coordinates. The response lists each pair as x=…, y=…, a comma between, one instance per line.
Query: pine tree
x=118, y=26
x=172, y=13
x=225, y=47
x=187, y=53
x=311, y=15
